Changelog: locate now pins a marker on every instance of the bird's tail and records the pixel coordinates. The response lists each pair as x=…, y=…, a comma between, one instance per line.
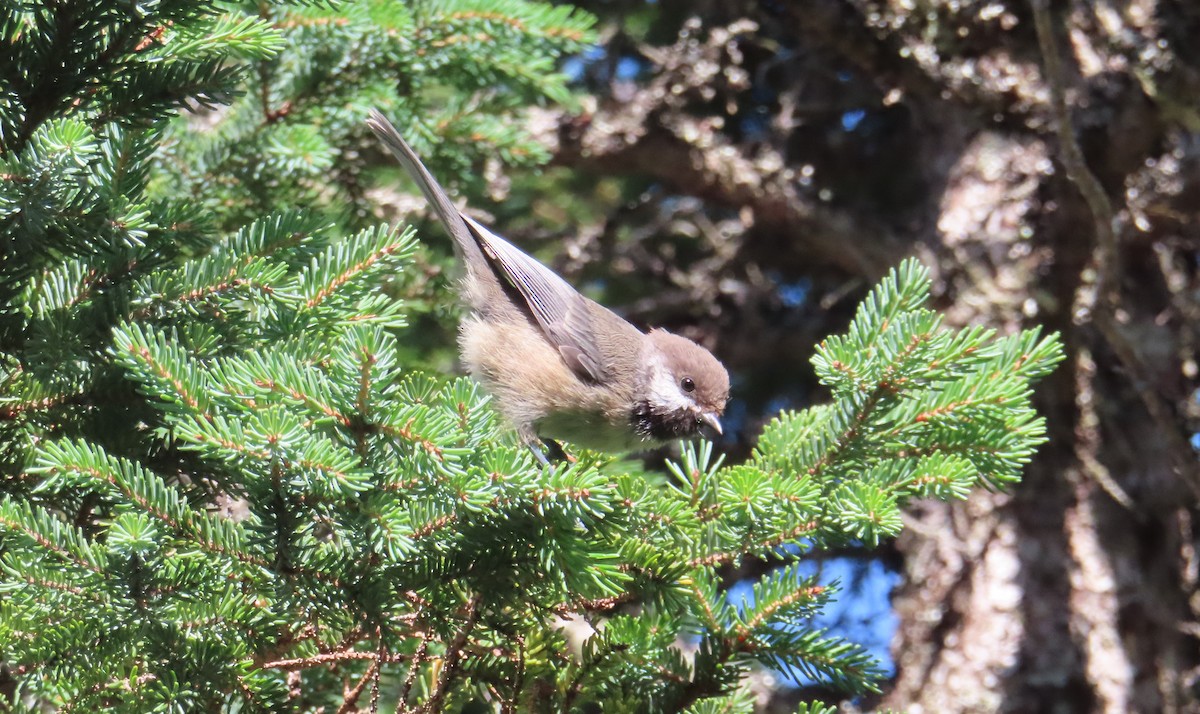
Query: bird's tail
x=465, y=244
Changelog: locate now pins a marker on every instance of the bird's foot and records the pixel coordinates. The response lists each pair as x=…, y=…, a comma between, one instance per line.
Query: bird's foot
x=556, y=452
x=551, y=454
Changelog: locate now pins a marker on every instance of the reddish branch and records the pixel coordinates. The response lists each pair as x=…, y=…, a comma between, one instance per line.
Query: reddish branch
x=326, y=658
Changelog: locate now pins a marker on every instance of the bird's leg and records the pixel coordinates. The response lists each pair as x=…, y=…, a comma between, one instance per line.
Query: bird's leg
x=530, y=439
x=547, y=457
x=538, y=454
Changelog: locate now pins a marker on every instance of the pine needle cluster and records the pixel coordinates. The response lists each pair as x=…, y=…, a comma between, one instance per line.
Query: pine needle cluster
x=225, y=483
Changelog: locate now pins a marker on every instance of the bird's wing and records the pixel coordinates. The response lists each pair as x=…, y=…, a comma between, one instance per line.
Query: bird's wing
x=559, y=309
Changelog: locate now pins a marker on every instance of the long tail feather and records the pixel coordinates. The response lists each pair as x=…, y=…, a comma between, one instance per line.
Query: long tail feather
x=465, y=243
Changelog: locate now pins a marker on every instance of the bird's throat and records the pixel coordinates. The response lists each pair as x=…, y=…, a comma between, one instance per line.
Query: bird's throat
x=662, y=426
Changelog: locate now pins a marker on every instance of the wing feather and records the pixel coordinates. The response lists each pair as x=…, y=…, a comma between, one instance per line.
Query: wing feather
x=559, y=309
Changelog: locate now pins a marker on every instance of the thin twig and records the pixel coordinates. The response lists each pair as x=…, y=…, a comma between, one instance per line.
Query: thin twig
x=382, y=657
x=576, y=686
x=1087, y=431
x=510, y=706
x=325, y=658
x=453, y=657
x=417, y=660
x=1072, y=158
x=351, y=697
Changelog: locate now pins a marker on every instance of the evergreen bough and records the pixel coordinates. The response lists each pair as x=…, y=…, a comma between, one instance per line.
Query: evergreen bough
x=225, y=483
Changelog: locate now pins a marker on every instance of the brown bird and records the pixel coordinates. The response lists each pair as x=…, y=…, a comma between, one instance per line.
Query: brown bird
x=561, y=366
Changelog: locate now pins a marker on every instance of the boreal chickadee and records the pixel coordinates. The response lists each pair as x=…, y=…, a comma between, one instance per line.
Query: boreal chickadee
x=561, y=366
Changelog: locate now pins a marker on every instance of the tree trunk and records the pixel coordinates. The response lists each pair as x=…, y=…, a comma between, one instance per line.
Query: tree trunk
x=881, y=130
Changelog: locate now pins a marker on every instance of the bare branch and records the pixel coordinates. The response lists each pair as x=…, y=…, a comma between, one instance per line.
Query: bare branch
x=651, y=132
x=453, y=658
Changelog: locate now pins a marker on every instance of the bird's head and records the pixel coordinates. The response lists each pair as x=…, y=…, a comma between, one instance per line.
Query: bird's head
x=685, y=390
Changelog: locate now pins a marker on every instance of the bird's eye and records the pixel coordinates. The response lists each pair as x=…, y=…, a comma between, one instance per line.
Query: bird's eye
x=687, y=384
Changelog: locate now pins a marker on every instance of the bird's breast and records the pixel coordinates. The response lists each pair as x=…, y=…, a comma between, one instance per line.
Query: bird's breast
x=591, y=430
x=535, y=390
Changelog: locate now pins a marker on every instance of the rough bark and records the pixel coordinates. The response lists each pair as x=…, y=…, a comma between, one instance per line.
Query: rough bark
x=1076, y=591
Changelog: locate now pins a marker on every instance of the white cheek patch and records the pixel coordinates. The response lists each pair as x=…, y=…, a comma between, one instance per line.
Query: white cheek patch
x=664, y=393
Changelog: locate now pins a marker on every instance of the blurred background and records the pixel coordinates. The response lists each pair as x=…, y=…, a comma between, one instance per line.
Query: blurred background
x=741, y=171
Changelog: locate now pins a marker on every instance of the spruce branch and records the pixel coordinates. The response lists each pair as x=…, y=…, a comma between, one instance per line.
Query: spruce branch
x=326, y=658
x=418, y=659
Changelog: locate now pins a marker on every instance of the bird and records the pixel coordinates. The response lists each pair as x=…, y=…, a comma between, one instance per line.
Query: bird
x=560, y=366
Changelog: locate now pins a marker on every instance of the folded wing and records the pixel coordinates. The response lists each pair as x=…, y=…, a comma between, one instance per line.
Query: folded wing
x=558, y=308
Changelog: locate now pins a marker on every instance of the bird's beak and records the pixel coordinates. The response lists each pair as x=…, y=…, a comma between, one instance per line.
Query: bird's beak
x=710, y=426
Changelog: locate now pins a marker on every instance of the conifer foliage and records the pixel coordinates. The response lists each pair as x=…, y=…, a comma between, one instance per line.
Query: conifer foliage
x=226, y=485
